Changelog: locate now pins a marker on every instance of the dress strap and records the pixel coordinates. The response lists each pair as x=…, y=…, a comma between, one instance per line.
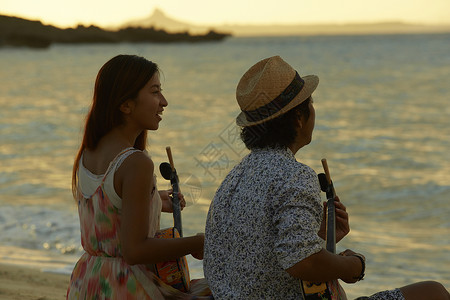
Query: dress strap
x=118, y=160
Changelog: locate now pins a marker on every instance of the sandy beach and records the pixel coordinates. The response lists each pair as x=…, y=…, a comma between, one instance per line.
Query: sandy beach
x=26, y=283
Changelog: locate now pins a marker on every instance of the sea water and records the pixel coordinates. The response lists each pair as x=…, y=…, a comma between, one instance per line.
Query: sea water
x=382, y=122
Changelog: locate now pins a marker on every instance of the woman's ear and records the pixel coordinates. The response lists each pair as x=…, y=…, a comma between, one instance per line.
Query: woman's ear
x=127, y=106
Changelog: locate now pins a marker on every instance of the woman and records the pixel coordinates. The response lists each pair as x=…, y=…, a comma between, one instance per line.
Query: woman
x=114, y=183
x=265, y=226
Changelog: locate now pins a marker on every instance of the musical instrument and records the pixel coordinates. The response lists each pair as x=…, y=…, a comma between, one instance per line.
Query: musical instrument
x=331, y=290
x=175, y=272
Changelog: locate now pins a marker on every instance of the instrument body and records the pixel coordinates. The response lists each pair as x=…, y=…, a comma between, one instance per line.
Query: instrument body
x=175, y=272
x=331, y=290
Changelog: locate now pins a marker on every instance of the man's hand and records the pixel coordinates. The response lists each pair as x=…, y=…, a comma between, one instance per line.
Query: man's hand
x=342, y=224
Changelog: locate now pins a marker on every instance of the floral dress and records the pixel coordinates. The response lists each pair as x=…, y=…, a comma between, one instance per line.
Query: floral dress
x=101, y=272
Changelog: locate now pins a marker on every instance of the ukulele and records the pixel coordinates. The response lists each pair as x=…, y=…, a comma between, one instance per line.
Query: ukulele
x=174, y=272
x=331, y=290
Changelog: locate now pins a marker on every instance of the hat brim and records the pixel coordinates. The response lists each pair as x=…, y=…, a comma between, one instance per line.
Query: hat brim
x=311, y=83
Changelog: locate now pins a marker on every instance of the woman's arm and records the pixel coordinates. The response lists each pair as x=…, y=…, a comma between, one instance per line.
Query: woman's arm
x=136, y=176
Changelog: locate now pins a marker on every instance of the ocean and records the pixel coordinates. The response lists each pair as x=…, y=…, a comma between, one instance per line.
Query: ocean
x=382, y=122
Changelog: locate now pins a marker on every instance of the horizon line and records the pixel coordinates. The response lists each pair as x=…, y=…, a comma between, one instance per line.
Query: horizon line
x=237, y=24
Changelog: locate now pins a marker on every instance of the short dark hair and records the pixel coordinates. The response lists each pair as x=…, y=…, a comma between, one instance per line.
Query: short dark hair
x=276, y=133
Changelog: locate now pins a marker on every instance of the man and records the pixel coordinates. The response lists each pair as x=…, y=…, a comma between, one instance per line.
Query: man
x=265, y=226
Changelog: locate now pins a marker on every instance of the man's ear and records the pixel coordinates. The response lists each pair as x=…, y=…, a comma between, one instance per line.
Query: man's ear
x=127, y=106
x=300, y=119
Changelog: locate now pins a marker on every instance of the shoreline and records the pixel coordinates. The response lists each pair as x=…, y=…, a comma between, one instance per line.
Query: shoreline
x=30, y=283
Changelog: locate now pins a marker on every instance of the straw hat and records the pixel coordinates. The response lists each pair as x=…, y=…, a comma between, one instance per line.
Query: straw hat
x=269, y=89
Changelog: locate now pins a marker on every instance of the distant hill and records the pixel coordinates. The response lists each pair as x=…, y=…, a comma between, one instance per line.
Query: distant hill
x=159, y=28
x=158, y=19
x=18, y=32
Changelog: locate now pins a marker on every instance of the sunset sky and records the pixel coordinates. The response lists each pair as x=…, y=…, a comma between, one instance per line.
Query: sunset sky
x=69, y=13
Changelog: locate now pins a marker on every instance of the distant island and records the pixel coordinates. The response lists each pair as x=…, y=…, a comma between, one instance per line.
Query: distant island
x=160, y=28
x=159, y=19
x=18, y=32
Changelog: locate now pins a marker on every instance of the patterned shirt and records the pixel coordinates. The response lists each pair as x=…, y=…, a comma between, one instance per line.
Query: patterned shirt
x=263, y=219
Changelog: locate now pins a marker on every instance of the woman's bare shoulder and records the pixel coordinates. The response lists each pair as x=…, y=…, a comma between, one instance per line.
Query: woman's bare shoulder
x=137, y=162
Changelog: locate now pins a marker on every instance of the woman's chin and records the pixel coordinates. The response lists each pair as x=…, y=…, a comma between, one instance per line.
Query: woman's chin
x=154, y=127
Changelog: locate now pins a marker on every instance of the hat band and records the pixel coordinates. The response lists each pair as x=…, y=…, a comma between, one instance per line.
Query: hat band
x=278, y=103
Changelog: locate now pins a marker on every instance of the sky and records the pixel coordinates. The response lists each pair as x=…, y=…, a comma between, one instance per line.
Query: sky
x=70, y=13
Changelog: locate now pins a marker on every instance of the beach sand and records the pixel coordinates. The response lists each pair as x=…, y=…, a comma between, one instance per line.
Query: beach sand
x=27, y=283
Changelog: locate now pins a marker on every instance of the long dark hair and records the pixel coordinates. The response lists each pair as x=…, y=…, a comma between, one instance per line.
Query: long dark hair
x=119, y=79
